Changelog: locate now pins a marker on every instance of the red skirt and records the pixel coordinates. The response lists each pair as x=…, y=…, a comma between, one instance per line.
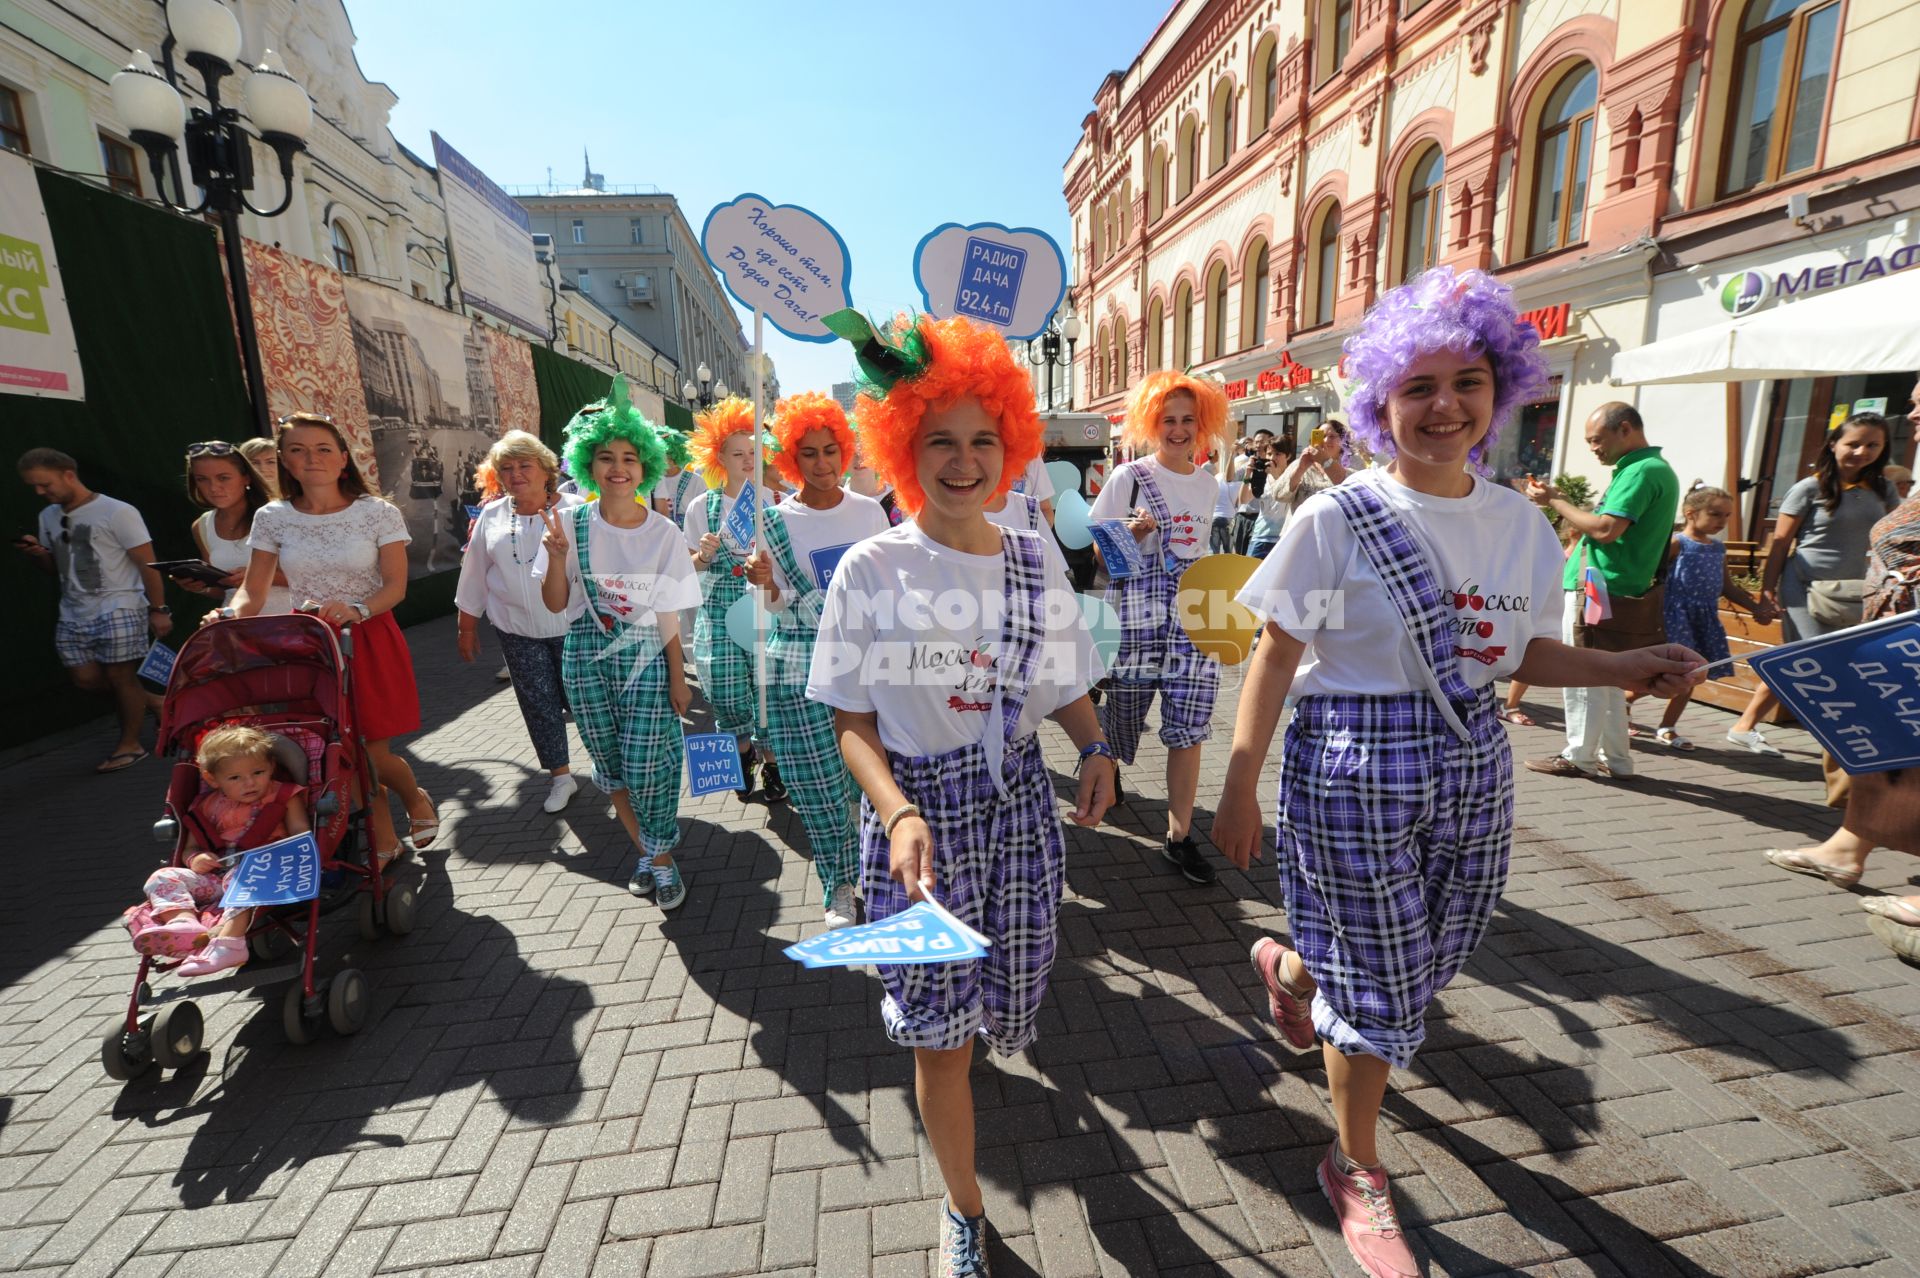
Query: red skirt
x=385, y=698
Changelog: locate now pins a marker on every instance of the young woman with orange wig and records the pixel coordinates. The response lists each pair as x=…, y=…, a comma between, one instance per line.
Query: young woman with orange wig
x=1165, y=500
x=806, y=536
x=722, y=450
x=945, y=642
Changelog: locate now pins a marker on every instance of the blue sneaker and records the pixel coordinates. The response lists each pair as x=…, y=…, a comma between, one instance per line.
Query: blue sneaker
x=670, y=888
x=963, y=1244
x=641, y=884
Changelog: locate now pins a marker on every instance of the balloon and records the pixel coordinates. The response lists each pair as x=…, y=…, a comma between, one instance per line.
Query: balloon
x=1066, y=479
x=1070, y=520
x=1103, y=620
x=1218, y=626
x=740, y=621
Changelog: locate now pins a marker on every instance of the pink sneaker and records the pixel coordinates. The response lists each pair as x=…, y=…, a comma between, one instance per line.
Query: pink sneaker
x=222, y=952
x=1364, y=1207
x=1289, y=1010
x=177, y=938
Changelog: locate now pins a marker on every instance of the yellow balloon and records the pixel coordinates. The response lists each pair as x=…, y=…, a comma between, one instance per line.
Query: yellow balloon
x=1218, y=627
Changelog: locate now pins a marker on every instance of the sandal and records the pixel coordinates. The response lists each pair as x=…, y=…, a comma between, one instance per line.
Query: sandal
x=1794, y=861
x=1904, y=941
x=1893, y=909
x=121, y=761
x=1668, y=737
x=1516, y=716
x=421, y=831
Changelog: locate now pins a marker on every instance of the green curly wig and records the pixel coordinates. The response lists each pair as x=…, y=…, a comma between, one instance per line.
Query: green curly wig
x=615, y=418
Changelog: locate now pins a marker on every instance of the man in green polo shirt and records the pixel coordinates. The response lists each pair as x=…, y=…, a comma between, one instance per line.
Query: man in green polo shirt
x=1625, y=538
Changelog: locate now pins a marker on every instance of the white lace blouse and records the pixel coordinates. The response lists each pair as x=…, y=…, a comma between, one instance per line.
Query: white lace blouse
x=333, y=556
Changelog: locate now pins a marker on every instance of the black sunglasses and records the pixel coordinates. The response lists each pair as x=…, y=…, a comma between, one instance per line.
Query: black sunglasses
x=66, y=529
x=211, y=448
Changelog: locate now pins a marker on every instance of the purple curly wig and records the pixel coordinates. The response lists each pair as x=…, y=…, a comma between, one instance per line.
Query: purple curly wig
x=1470, y=314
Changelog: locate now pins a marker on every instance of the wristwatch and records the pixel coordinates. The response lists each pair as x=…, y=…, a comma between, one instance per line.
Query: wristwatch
x=366, y=613
x=160, y=610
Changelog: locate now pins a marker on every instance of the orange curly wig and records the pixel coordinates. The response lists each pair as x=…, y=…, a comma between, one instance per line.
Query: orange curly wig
x=964, y=358
x=1141, y=433
x=797, y=416
x=731, y=416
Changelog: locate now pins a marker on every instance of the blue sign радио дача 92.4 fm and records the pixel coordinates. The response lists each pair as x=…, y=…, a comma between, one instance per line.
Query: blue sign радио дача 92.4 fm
x=989, y=280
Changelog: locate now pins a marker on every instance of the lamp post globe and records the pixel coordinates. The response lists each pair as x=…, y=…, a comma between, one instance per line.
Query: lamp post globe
x=147, y=104
x=276, y=103
x=205, y=28
x=720, y=390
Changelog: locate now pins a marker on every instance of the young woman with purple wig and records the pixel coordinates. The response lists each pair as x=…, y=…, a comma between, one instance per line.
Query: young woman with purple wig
x=1427, y=582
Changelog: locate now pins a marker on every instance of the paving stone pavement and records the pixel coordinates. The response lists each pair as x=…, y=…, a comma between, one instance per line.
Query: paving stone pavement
x=1668, y=1058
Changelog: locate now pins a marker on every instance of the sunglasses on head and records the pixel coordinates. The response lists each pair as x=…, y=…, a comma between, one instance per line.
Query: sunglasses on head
x=211, y=448
x=300, y=417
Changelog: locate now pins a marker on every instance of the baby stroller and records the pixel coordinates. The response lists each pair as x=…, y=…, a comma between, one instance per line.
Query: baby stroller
x=291, y=677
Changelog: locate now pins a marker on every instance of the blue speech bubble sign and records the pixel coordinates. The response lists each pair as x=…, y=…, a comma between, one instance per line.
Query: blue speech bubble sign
x=1010, y=277
x=781, y=260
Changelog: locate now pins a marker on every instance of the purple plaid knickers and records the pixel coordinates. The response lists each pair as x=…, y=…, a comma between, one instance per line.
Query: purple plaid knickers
x=1155, y=654
x=1394, y=829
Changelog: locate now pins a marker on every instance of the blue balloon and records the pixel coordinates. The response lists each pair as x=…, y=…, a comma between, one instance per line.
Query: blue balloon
x=1071, y=522
x=1066, y=479
x=740, y=621
x=1103, y=620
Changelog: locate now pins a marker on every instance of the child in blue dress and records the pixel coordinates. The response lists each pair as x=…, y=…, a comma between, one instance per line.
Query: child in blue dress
x=1696, y=583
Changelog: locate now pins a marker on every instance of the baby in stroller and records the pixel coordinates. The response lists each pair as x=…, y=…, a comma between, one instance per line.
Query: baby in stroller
x=244, y=807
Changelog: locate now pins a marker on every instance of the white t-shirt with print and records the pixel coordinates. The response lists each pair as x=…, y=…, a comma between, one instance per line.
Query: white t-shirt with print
x=694, y=519
x=1035, y=482
x=912, y=632
x=1021, y=513
x=1189, y=501
x=1498, y=557
x=333, y=556
x=821, y=538
x=643, y=575
x=97, y=575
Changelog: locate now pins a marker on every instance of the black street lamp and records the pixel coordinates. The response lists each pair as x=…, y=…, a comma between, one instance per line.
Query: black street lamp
x=1049, y=358
x=701, y=396
x=219, y=146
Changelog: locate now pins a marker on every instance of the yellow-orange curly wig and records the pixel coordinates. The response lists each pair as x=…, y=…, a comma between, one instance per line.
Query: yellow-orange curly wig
x=796, y=417
x=731, y=416
x=964, y=358
x=1141, y=433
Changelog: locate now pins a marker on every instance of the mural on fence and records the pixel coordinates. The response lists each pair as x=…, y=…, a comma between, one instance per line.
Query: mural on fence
x=306, y=345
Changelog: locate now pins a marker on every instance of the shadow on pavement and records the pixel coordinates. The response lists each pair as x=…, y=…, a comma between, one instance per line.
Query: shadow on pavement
x=455, y=1006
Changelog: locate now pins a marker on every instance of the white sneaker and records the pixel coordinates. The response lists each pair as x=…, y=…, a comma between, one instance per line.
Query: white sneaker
x=504, y=675
x=842, y=911
x=560, y=793
x=1753, y=741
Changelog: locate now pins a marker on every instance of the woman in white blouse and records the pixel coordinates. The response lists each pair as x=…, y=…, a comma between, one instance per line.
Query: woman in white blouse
x=500, y=577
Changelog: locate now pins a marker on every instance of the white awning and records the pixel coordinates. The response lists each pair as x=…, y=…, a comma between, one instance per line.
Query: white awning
x=1867, y=328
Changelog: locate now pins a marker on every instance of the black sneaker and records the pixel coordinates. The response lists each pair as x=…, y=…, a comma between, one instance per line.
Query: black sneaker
x=747, y=759
x=1184, y=855
x=772, y=789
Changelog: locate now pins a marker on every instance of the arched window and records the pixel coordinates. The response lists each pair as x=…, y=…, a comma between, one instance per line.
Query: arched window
x=344, y=257
x=1099, y=238
x=1126, y=214
x=1255, y=296
x=1420, y=240
x=1783, y=62
x=1120, y=353
x=1113, y=228
x=1564, y=161
x=1188, y=163
x=1221, y=126
x=1156, y=337
x=1157, y=184
x=1323, y=285
x=1183, y=326
x=1216, y=344
x=1266, y=87
x=1100, y=362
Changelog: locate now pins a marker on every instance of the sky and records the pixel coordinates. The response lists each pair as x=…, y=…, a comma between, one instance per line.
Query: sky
x=886, y=120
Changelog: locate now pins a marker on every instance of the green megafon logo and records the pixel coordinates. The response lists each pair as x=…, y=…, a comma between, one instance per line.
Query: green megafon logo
x=23, y=273
x=1743, y=292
